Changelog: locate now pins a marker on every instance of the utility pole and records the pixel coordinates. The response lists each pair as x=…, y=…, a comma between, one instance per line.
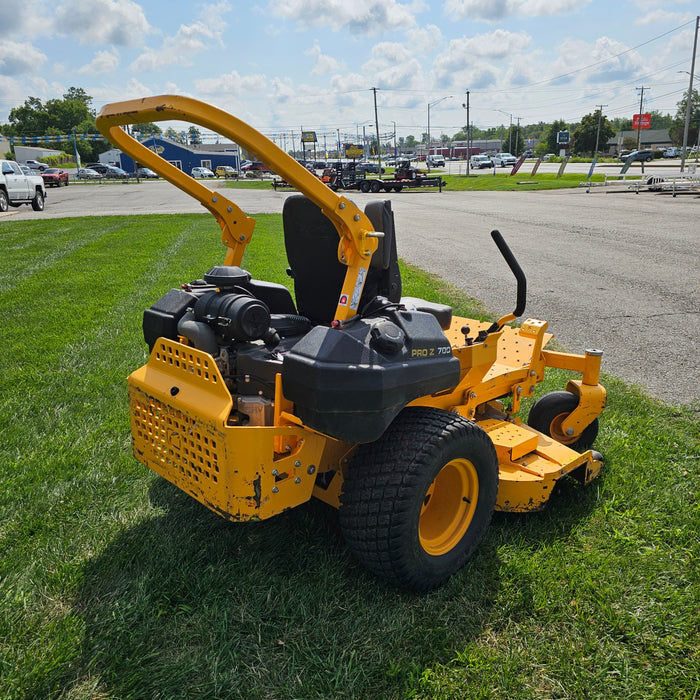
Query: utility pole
x=379, y=145
x=690, y=96
x=597, y=136
x=466, y=106
x=639, y=123
x=517, y=134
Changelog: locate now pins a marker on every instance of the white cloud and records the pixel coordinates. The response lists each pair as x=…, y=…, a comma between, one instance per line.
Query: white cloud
x=19, y=59
x=462, y=62
x=322, y=62
x=425, y=39
x=358, y=17
x=661, y=17
x=495, y=10
x=104, y=62
x=179, y=49
x=117, y=22
x=230, y=84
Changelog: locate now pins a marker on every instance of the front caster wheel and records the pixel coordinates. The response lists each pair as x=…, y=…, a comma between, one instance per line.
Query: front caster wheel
x=416, y=503
x=549, y=412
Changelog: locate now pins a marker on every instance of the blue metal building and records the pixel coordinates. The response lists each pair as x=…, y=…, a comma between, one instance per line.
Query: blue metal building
x=186, y=157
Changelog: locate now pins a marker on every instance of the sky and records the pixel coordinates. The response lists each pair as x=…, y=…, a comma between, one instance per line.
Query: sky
x=284, y=65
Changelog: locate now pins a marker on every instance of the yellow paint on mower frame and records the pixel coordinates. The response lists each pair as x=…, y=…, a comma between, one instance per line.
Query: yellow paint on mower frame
x=182, y=413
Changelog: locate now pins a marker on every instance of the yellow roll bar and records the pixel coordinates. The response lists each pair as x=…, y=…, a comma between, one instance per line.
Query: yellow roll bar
x=357, y=238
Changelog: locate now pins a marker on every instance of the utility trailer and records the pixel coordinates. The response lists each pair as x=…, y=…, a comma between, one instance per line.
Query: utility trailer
x=347, y=177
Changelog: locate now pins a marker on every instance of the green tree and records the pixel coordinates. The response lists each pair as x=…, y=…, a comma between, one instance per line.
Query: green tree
x=678, y=127
x=551, y=135
x=194, y=135
x=585, y=135
x=410, y=142
x=71, y=112
x=147, y=129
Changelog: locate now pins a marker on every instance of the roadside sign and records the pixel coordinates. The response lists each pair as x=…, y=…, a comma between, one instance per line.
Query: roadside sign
x=641, y=121
x=563, y=137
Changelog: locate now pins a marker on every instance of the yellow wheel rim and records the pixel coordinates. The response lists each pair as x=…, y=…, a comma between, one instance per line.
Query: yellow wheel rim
x=448, y=507
x=557, y=433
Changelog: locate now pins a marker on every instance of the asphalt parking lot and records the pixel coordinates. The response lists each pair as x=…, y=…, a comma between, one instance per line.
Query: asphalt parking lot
x=616, y=271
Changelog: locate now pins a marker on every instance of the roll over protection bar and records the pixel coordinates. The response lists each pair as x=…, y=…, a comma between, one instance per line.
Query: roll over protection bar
x=356, y=244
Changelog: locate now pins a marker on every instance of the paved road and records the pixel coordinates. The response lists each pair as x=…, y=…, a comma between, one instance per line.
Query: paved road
x=616, y=271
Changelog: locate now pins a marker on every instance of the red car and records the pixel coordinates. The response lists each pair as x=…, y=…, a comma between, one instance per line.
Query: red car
x=54, y=177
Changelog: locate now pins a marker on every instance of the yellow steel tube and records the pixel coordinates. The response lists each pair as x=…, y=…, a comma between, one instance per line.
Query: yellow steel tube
x=356, y=245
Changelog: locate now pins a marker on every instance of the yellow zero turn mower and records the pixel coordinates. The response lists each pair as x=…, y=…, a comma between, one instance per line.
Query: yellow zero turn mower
x=388, y=408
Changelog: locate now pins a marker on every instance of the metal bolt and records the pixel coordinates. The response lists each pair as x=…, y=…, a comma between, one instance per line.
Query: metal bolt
x=520, y=390
x=533, y=373
x=341, y=205
x=214, y=199
x=356, y=217
x=229, y=209
x=297, y=480
x=275, y=489
x=287, y=448
x=311, y=469
x=472, y=395
x=569, y=431
x=275, y=472
x=241, y=237
x=297, y=463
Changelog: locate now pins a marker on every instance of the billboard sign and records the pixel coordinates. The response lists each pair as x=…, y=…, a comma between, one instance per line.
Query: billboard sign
x=308, y=137
x=563, y=137
x=641, y=121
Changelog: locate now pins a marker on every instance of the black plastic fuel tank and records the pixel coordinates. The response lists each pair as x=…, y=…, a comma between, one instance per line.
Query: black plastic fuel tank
x=350, y=383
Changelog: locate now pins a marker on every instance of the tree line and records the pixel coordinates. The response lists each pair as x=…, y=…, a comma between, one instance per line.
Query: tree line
x=74, y=111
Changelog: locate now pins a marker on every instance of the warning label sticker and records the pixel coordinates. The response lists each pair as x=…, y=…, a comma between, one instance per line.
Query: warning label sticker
x=357, y=292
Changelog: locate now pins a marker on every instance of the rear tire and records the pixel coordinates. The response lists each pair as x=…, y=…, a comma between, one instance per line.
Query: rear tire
x=548, y=413
x=375, y=186
x=416, y=503
x=4, y=202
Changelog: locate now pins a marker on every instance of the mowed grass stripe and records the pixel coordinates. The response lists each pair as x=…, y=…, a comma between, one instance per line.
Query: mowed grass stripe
x=113, y=584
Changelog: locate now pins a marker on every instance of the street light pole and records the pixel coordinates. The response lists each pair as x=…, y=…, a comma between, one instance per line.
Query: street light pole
x=510, y=131
x=466, y=106
x=432, y=104
x=690, y=96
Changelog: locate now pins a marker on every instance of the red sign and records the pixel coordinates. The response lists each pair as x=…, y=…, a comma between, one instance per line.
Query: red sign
x=646, y=121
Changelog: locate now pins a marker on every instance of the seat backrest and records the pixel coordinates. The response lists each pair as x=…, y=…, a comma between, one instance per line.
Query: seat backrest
x=311, y=242
x=384, y=277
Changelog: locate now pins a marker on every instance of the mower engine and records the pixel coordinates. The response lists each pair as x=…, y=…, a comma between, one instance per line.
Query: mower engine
x=396, y=354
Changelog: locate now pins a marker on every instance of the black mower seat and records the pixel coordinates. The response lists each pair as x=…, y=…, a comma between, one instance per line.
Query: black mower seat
x=311, y=242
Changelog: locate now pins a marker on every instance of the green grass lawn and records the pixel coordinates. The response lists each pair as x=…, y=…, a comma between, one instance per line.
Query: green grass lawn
x=113, y=584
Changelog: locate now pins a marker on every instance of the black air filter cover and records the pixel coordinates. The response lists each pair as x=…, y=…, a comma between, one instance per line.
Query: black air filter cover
x=227, y=276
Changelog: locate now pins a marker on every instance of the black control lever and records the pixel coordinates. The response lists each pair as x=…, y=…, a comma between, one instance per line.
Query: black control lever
x=519, y=276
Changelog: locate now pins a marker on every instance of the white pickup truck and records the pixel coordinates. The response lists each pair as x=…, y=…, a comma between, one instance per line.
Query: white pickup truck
x=17, y=188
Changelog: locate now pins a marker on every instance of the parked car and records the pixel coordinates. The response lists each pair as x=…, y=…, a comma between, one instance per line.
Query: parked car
x=202, y=172
x=88, y=174
x=108, y=171
x=645, y=155
x=672, y=152
x=504, y=160
x=55, y=177
x=146, y=173
x=369, y=167
x=547, y=156
x=480, y=161
x=36, y=165
x=226, y=171
x=254, y=165
x=436, y=161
